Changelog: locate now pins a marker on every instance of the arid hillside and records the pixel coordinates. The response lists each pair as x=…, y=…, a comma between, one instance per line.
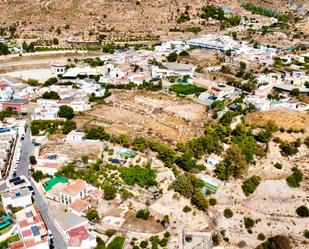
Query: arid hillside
x=118, y=20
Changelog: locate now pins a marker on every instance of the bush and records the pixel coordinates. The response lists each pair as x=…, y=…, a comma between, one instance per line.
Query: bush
x=110, y=232
x=117, y=243
x=142, y=214
x=38, y=175
x=50, y=95
x=261, y=236
x=92, y=215
x=249, y=223
x=186, y=89
x=167, y=234
x=215, y=239
x=163, y=242
x=250, y=185
x=172, y=57
x=295, y=179
x=109, y=192
x=144, y=177
x=212, y=201
x=32, y=82
x=278, y=165
x=199, y=200
x=302, y=211
x=187, y=209
x=228, y=213
x=66, y=111
x=51, y=81
x=306, y=234
x=143, y=244
x=32, y=160
x=288, y=149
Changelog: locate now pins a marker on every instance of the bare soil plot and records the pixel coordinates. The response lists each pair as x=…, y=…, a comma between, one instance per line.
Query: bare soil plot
x=74, y=150
x=154, y=115
x=139, y=225
x=283, y=118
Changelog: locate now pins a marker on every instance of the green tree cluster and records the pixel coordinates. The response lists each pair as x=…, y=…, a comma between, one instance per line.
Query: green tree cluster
x=186, y=89
x=52, y=126
x=144, y=177
x=66, y=111
x=190, y=187
x=51, y=95
x=250, y=185
x=9, y=112
x=142, y=214
x=263, y=11
x=4, y=49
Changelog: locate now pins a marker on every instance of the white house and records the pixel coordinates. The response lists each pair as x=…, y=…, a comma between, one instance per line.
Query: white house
x=50, y=163
x=58, y=68
x=76, y=189
x=75, y=136
x=6, y=91
x=221, y=90
x=17, y=198
x=216, y=42
x=80, y=207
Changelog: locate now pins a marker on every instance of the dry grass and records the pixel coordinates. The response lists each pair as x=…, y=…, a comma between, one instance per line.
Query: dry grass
x=283, y=118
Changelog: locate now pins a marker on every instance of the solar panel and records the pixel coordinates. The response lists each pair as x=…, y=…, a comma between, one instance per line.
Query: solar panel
x=14, y=179
x=19, y=182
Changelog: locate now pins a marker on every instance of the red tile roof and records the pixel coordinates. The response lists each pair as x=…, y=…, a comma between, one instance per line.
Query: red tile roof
x=77, y=235
x=23, y=223
x=17, y=245
x=26, y=233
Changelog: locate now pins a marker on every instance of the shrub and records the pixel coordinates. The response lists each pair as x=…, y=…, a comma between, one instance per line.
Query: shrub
x=172, y=57
x=143, y=244
x=302, y=211
x=228, y=213
x=187, y=209
x=92, y=215
x=212, y=201
x=288, y=149
x=278, y=165
x=50, y=95
x=144, y=177
x=199, y=200
x=142, y=214
x=261, y=236
x=250, y=185
x=66, y=111
x=110, y=232
x=186, y=89
x=109, y=192
x=215, y=239
x=163, y=242
x=295, y=179
x=167, y=234
x=306, y=234
x=117, y=243
x=249, y=223
x=32, y=160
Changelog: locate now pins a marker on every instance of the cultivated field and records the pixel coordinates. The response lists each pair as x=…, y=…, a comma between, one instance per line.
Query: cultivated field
x=154, y=115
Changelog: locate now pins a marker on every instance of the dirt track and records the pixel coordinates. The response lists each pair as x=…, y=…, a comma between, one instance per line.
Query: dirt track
x=11, y=63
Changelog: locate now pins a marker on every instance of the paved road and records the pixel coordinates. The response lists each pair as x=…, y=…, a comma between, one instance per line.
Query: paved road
x=27, y=150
